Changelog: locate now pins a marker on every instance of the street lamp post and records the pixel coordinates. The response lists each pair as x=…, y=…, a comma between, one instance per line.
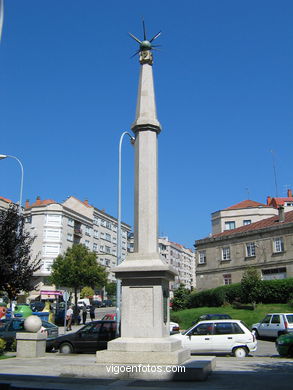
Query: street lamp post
x=119, y=250
x=2, y=156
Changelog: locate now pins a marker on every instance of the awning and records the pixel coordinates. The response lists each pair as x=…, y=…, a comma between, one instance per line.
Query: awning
x=49, y=292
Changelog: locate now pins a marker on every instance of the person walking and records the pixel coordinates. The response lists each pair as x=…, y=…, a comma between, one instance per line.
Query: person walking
x=69, y=314
x=84, y=314
x=92, y=312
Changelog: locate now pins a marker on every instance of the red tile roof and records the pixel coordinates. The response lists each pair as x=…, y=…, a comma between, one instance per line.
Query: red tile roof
x=5, y=199
x=275, y=202
x=246, y=204
x=41, y=203
x=263, y=224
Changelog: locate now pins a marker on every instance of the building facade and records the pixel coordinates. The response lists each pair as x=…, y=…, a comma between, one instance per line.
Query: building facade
x=57, y=226
x=267, y=245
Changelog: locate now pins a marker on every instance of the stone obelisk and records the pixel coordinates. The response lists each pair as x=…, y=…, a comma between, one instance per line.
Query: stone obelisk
x=145, y=332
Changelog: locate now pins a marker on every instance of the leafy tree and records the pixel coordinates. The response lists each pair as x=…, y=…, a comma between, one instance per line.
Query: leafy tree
x=111, y=289
x=16, y=266
x=250, y=285
x=87, y=292
x=181, y=298
x=78, y=268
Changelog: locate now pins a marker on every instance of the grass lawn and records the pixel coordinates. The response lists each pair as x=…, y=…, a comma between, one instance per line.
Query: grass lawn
x=2, y=357
x=186, y=317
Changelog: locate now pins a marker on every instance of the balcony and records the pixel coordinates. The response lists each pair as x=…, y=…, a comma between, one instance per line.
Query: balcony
x=77, y=232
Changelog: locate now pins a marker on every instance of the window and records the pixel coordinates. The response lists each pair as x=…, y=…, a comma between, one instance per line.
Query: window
x=275, y=319
x=202, y=257
x=102, y=248
x=226, y=253
x=278, y=245
x=53, y=219
x=227, y=279
x=88, y=231
x=28, y=219
x=201, y=330
x=103, y=222
x=51, y=250
x=95, y=247
x=223, y=328
x=274, y=273
x=230, y=225
x=96, y=234
x=87, y=243
x=102, y=235
x=69, y=237
x=108, y=237
x=246, y=222
x=108, y=225
x=107, y=249
x=250, y=249
x=96, y=221
x=70, y=222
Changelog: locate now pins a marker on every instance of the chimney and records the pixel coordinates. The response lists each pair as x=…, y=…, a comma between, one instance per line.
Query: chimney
x=289, y=193
x=281, y=214
x=38, y=201
x=86, y=202
x=269, y=199
x=27, y=204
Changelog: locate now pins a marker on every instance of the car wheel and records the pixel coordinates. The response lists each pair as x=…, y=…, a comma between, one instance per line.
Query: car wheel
x=255, y=332
x=66, y=348
x=240, y=352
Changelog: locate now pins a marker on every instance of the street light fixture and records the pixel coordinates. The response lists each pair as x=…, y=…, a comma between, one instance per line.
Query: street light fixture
x=119, y=249
x=2, y=157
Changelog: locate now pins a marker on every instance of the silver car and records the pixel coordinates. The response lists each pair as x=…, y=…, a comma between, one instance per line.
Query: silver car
x=274, y=325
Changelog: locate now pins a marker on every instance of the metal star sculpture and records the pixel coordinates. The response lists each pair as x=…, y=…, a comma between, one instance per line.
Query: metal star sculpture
x=145, y=45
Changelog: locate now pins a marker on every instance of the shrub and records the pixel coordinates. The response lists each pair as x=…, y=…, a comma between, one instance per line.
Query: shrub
x=2, y=346
x=250, y=285
x=266, y=291
x=181, y=298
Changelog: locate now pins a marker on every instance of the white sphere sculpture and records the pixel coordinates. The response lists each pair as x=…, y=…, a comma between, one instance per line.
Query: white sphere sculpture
x=32, y=324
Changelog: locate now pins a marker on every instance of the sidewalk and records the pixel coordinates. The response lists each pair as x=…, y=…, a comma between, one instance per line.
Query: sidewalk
x=229, y=374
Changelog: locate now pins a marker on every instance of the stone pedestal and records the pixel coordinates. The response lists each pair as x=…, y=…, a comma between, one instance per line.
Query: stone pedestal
x=31, y=345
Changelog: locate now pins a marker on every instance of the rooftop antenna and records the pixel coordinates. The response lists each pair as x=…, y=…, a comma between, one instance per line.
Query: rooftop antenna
x=248, y=193
x=275, y=174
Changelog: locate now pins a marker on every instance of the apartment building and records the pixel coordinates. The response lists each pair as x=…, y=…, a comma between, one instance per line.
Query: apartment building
x=57, y=226
x=181, y=258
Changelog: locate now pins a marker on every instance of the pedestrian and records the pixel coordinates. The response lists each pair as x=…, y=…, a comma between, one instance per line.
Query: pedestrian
x=84, y=314
x=92, y=312
x=69, y=314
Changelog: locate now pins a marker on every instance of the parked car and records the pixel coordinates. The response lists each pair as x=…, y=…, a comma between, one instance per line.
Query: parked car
x=274, y=325
x=37, y=306
x=96, y=303
x=9, y=327
x=174, y=327
x=212, y=317
x=284, y=344
x=90, y=338
x=219, y=336
x=106, y=303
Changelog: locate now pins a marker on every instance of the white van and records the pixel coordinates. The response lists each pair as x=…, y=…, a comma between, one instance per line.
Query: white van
x=83, y=302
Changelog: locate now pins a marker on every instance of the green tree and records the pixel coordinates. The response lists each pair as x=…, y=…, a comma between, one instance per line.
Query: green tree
x=181, y=298
x=87, y=292
x=16, y=265
x=78, y=268
x=111, y=289
x=250, y=285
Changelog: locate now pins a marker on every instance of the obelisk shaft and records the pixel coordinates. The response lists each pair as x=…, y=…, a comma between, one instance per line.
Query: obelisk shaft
x=146, y=128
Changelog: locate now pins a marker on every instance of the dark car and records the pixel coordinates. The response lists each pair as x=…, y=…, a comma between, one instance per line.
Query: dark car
x=106, y=303
x=212, y=317
x=9, y=327
x=90, y=338
x=37, y=306
x=97, y=303
x=284, y=345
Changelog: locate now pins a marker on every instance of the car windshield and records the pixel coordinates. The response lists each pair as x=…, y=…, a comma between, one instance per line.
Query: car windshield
x=187, y=330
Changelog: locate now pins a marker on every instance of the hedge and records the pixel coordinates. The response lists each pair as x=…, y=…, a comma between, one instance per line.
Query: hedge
x=267, y=291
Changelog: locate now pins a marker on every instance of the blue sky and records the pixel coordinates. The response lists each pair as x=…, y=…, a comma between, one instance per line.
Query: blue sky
x=224, y=94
